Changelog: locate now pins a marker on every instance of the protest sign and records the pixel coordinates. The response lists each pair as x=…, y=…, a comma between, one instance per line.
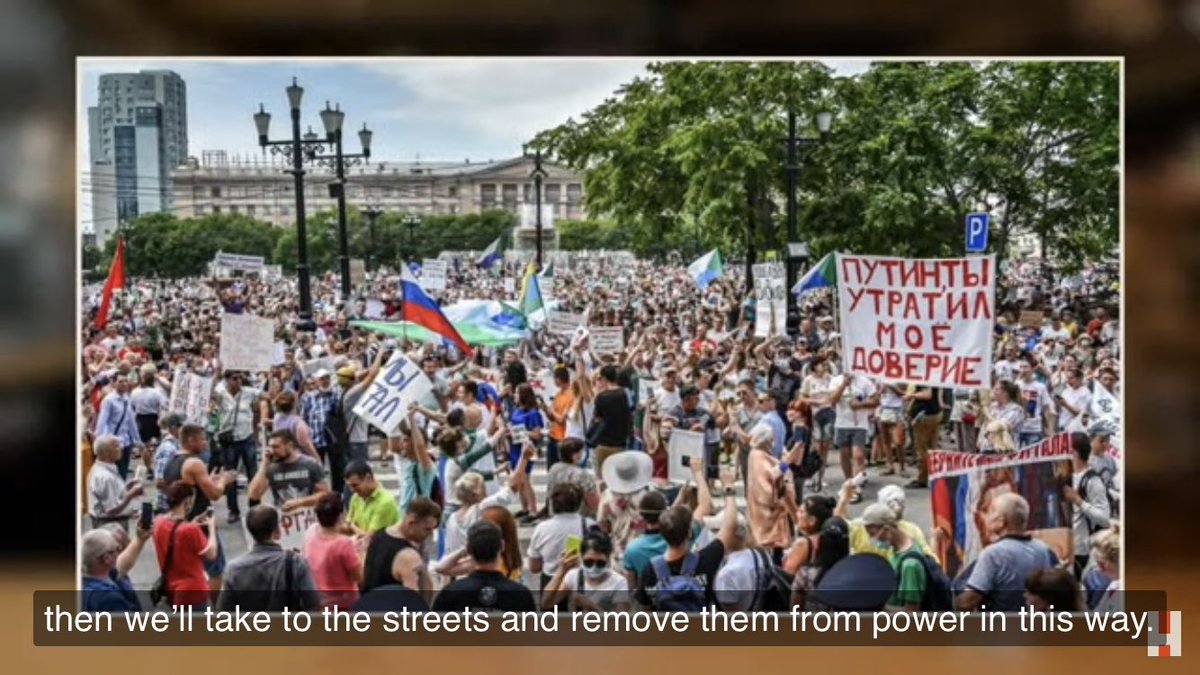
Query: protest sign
x=962, y=486
x=272, y=272
x=311, y=366
x=292, y=524
x=190, y=396
x=278, y=357
x=1031, y=319
x=375, y=309
x=400, y=382
x=544, y=385
x=682, y=447
x=565, y=322
x=607, y=339
x=770, y=289
x=233, y=261
x=358, y=271
x=433, y=274
x=923, y=321
x=247, y=342
x=510, y=285
x=647, y=388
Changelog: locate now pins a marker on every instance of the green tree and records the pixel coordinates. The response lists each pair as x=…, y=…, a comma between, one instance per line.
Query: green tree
x=691, y=155
x=164, y=245
x=575, y=235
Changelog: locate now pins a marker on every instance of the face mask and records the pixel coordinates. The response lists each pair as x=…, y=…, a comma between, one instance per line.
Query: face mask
x=881, y=544
x=595, y=572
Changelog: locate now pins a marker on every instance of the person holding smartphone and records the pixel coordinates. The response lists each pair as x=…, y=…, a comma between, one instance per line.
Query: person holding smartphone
x=188, y=543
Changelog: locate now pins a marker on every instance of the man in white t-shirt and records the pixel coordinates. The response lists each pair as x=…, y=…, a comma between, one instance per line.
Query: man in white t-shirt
x=739, y=578
x=1008, y=367
x=1056, y=330
x=550, y=538
x=1073, y=402
x=854, y=397
x=667, y=395
x=1037, y=403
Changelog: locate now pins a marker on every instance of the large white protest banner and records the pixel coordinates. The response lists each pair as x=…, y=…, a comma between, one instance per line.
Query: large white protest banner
x=681, y=448
x=918, y=321
x=433, y=274
x=247, y=342
x=279, y=356
x=400, y=382
x=607, y=339
x=770, y=289
x=565, y=323
x=190, y=396
x=293, y=524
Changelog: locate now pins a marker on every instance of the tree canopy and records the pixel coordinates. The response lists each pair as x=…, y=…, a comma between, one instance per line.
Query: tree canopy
x=696, y=150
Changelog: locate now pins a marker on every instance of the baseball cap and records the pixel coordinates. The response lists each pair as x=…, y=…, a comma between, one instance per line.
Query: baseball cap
x=879, y=514
x=321, y=373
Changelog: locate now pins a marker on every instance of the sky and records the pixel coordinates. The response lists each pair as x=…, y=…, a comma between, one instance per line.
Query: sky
x=431, y=109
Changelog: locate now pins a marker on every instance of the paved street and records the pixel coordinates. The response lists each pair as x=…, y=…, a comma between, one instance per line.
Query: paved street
x=234, y=540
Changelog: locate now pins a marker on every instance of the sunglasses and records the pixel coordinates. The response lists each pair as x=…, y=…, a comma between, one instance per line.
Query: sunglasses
x=593, y=563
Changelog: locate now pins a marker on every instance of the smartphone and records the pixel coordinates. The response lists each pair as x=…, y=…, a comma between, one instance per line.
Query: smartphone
x=573, y=544
x=860, y=479
x=147, y=515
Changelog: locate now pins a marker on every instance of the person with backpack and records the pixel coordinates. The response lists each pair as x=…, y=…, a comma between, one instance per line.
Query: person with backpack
x=920, y=584
x=682, y=580
x=1088, y=496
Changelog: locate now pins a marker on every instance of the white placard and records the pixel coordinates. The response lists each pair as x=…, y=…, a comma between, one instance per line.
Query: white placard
x=607, y=339
x=247, y=342
x=311, y=367
x=682, y=447
x=918, y=321
x=544, y=386
x=510, y=285
x=433, y=274
x=190, y=396
x=646, y=388
x=293, y=524
x=565, y=323
x=375, y=309
x=280, y=356
x=233, y=261
x=519, y=434
x=385, y=404
x=770, y=289
x=358, y=271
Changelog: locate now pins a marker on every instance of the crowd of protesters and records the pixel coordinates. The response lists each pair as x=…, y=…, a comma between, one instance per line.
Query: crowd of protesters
x=615, y=532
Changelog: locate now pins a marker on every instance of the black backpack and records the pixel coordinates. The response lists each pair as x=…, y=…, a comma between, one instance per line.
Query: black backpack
x=937, y=596
x=773, y=589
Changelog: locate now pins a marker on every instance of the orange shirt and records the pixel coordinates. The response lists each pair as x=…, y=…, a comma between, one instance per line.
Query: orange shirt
x=563, y=401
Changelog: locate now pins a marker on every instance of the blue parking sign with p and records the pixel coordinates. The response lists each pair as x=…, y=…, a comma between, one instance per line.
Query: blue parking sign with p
x=977, y=232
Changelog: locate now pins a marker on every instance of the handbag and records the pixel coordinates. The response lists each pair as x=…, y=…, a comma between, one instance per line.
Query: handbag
x=159, y=590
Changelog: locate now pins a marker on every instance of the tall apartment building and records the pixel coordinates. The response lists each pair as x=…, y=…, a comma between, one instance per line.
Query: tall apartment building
x=264, y=190
x=137, y=133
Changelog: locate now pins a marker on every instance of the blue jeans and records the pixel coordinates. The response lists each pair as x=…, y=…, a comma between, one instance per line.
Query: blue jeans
x=1026, y=440
x=551, y=452
x=247, y=452
x=123, y=461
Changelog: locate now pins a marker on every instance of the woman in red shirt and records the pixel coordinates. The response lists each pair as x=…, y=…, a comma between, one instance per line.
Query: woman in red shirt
x=187, y=583
x=332, y=556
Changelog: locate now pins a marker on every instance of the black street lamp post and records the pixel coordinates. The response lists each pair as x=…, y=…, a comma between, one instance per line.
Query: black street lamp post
x=296, y=149
x=411, y=220
x=538, y=175
x=794, y=142
x=332, y=119
x=372, y=211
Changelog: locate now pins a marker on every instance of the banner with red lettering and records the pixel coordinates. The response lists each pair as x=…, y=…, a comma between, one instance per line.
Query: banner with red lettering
x=918, y=321
x=963, y=485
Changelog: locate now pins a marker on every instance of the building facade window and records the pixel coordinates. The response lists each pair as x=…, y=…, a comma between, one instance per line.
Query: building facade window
x=452, y=192
x=509, y=195
x=574, y=194
x=529, y=193
x=487, y=195
x=216, y=191
x=553, y=193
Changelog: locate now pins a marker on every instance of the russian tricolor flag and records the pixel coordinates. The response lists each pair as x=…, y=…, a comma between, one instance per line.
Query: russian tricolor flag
x=420, y=309
x=490, y=255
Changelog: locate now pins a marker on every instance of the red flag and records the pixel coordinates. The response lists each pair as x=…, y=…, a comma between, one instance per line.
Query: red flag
x=116, y=279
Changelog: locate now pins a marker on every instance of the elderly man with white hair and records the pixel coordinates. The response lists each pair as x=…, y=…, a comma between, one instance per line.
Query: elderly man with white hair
x=997, y=579
x=893, y=497
x=110, y=497
x=100, y=552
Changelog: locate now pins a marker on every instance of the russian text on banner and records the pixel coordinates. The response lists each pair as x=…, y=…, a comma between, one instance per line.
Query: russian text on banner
x=918, y=321
x=400, y=382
